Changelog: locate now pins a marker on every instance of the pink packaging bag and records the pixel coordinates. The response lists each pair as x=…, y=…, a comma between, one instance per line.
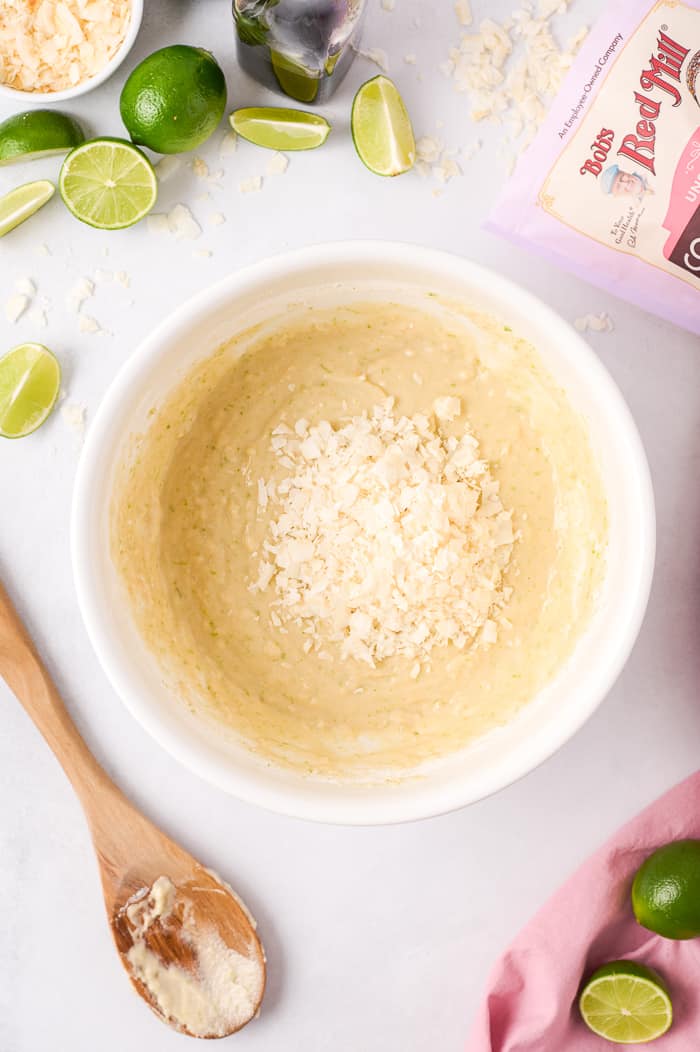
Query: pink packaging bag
x=531, y=999
x=610, y=188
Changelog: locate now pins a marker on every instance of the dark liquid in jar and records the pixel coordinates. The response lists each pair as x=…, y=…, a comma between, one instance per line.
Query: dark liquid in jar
x=300, y=47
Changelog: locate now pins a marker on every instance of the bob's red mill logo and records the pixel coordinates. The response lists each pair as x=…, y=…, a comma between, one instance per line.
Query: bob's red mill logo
x=659, y=85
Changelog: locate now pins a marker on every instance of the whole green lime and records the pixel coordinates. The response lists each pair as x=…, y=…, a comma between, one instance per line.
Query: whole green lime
x=666, y=891
x=174, y=99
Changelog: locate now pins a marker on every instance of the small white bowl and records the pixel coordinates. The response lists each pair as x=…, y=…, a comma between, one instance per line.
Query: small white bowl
x=338, y=273
x=40, y=98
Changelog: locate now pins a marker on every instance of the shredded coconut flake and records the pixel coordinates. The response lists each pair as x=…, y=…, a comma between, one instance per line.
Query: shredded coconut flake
x=463, y=10
x=512, y=70
x=385, y=535
x=166, y=168
x=594, y=323
x=15, y=307
x=278, y=164
x=182, y=223
x=73, y=416
x=26, y=287
x=83, y=289
x=251, y=186
x=228, y=144
x=51, y=45
x=88, y=324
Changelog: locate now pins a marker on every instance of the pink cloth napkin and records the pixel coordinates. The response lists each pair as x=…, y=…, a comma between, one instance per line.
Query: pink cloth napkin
x=531, y=1001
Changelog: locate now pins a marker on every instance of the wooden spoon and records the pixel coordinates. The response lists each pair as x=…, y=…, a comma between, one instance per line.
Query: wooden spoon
x=133, y=854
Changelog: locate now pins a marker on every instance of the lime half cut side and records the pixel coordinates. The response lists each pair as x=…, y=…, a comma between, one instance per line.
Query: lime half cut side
x=30, y=378
x=277, y=128
x=38, y=133
x=108, y=183
x=23, y=202
x=381, y=128
x=627, y=1003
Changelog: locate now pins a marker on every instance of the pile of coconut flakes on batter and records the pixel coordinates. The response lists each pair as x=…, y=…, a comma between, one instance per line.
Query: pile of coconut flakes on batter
x=384, y=535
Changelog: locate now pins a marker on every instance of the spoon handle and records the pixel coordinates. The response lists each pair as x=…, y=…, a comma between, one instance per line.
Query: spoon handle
x=27, y=677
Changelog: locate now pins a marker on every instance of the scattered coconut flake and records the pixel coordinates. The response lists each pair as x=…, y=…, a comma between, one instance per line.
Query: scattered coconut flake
x=384, y=537
x=388, y=5
x=83, y=289
x=15, y=307
x=166, y=168
x=38, y=317
x=513, y=69
x=228, y=144
x=202, y=253
x=200, y=168
x=446, y=169
x=595, y=323
x=463, y=10
x=51, y=45
x=103, y=277
x=376, y=55
x=278, y=164
x=410, y=59
x=88, y=324
x=428, y=149
x=25, y=287
x=73, y=415
x=252, y=185
x=122, y=278
x=182, y=223
x=43, y=249
x=217, y=218
x=447, y=408
x=434, y=158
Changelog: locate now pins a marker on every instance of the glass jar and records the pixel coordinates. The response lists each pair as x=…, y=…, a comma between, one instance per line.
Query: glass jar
x=300, y=47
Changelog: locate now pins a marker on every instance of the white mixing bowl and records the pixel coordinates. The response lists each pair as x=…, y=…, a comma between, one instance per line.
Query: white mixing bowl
x=335, y=273
x=41, y=98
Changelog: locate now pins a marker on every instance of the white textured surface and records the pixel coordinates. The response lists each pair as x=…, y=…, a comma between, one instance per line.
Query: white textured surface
x=379, y=940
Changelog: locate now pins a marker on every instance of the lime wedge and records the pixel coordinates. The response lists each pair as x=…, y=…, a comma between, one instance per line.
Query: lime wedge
x=37, y=133
x=280, y=129
x=23, y=202
x=626, y=1003
x=293, y=78
x=108, y=183
x=30, y=377
x=381, y=128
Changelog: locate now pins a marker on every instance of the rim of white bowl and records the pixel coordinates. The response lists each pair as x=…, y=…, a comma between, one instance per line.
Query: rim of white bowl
x=378, y=806
x=40, y=98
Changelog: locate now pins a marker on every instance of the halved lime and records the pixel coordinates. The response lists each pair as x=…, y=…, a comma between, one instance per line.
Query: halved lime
x=381, y=128
x=37, y=133
x=280, y=129
x=23, y=202
x=30, y=377
x=627, y=1003
x=108, y=183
